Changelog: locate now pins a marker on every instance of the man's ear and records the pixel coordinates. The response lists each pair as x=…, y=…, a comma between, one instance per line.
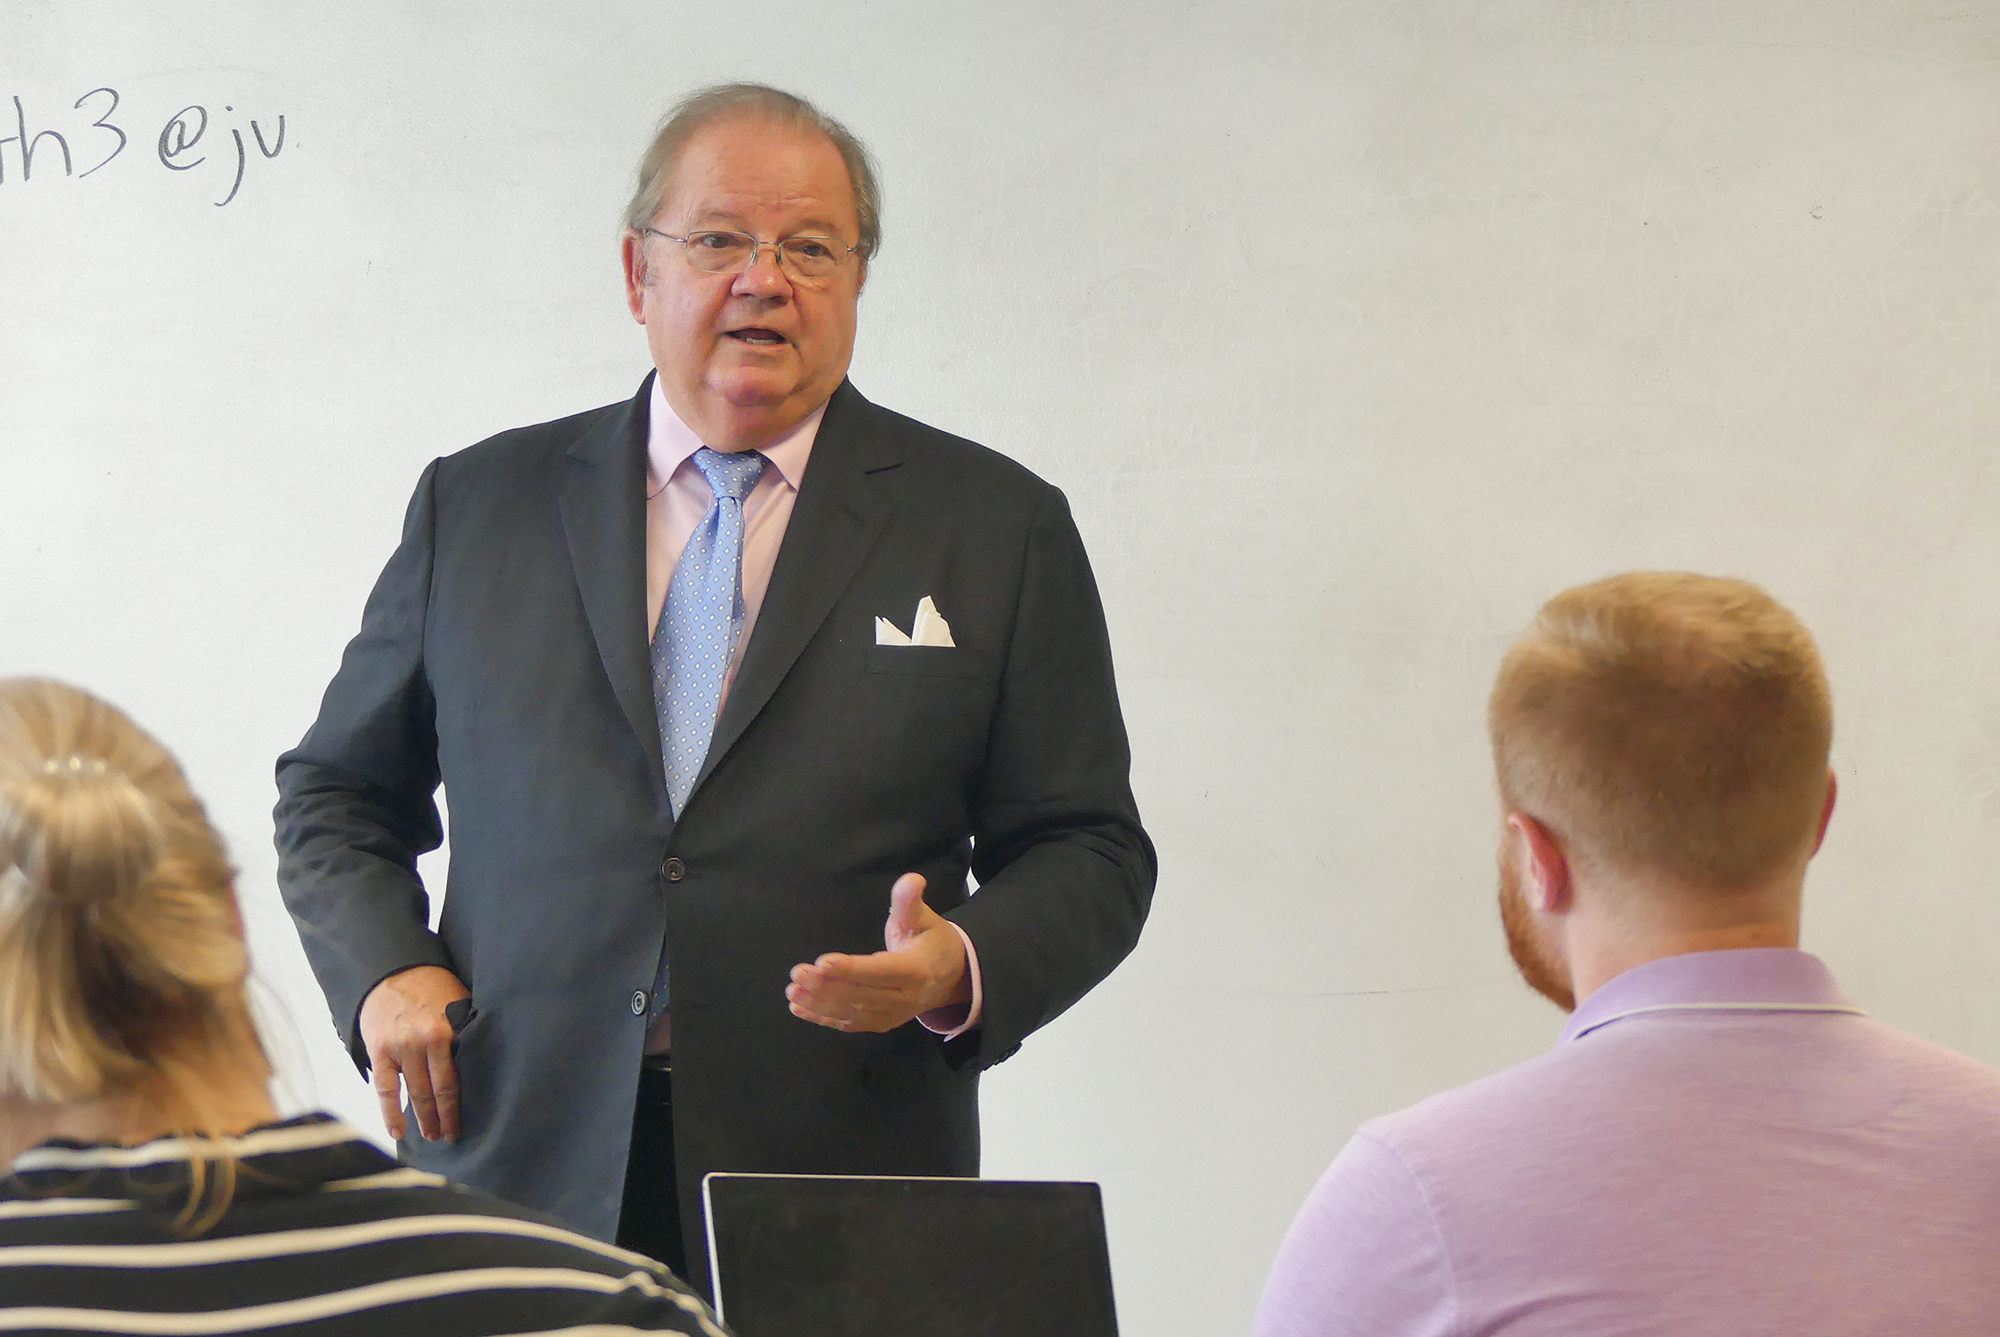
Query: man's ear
x=1826, y=810
x=633, y=252
x=1544, y=868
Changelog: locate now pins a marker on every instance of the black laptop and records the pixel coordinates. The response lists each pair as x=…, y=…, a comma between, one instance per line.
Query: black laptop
x=851, y=1256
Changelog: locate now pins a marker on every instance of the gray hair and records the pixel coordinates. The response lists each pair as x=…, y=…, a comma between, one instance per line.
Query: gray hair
x=704, y=107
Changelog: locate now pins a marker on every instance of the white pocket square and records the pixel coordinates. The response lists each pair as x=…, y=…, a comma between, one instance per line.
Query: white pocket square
x=928, y=629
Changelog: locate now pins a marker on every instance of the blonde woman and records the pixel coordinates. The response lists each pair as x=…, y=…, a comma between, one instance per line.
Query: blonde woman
x=151, y=1186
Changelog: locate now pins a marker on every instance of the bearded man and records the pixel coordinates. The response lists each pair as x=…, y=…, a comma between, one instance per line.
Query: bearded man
x=1721, y=1142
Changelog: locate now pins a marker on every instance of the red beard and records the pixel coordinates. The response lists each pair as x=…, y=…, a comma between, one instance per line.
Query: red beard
x=1532, y=957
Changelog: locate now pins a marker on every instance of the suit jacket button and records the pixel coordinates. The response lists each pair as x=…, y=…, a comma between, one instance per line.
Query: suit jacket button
x=674, y=869
x=638, y=1002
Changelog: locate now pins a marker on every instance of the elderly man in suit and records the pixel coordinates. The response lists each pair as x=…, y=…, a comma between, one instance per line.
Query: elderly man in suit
x=714, y=678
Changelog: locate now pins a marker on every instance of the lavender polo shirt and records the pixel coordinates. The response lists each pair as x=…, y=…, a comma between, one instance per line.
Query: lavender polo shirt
x=1720, y=1144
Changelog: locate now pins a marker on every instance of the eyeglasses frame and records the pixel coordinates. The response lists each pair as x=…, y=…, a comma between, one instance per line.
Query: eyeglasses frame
x=842, y=249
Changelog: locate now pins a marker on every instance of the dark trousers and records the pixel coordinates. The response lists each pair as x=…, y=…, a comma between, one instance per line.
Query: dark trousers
x=650, y=1220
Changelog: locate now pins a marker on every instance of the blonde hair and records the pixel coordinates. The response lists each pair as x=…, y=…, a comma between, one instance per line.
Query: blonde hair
x=704, y=107
x=1667, y=722
x=122, y=963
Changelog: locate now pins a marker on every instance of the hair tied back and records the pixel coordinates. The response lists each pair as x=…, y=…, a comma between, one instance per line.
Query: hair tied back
x=92, y=836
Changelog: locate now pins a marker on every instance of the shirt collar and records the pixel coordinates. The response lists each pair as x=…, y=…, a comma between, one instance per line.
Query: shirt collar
x=1756, y=979
x=669, y=443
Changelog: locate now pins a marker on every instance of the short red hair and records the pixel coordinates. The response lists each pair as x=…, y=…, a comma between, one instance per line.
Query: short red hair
x=1669, y=723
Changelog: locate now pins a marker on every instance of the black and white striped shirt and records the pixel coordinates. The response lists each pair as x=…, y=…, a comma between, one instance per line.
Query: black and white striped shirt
x=326, y=1236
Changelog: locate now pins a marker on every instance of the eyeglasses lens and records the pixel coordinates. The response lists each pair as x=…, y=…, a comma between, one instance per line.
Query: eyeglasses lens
x=728, y=252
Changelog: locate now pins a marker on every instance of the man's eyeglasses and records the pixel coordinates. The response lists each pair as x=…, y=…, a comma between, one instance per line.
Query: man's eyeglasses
x=813, y=259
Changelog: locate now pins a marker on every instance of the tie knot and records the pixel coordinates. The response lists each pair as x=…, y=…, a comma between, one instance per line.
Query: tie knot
x=730, y=473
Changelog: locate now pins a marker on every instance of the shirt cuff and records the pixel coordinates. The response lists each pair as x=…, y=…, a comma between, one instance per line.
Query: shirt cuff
x=956, y=1019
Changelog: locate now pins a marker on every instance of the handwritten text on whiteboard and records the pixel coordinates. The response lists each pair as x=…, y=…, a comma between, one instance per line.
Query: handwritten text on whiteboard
x=96, y=135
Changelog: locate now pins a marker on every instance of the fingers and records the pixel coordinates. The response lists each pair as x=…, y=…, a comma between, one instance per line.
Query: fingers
x=881, y=990
x=893, y=972
x=907, y=912
x=388, y=1092
x=856, y=993
x=417, y=1081
x=864, y=1021
x=832, y=1023
x=907, y=894
x=431, y=1080
x=408, y=1038
x=444, y=1091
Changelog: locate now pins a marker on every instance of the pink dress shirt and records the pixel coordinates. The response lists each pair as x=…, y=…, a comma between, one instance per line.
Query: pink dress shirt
x=677, y=497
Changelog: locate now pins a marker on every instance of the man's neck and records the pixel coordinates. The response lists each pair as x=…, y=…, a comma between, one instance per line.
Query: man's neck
x=734, y=429
x=1593, y=970
x=1618, y=929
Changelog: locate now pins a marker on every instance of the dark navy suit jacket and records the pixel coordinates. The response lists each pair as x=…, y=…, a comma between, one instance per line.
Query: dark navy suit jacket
x=503, y=654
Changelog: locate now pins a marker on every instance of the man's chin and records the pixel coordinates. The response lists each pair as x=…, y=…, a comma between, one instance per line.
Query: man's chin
x=1548, y=986
x=752, y=412
x=753, y=391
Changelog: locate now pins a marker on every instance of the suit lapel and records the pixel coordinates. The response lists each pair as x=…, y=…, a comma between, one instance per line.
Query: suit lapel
x=603, y=505
x=841, y=510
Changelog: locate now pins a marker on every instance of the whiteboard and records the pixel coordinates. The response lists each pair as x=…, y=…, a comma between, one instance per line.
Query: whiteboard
x=1352, y=330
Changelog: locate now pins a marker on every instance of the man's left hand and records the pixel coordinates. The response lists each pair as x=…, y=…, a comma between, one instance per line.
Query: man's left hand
x=922, y=969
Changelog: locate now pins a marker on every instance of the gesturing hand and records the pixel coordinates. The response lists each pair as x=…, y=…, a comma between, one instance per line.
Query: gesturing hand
x=409, y=1044
x=923, y=968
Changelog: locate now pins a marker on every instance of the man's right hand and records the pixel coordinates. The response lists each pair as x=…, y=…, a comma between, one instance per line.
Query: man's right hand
x=409, y=1044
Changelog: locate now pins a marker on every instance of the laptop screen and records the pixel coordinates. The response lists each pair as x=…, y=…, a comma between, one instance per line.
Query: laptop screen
x=834, y=1256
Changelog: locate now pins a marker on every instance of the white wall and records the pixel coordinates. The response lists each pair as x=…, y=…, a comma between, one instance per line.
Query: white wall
x=1353, y=330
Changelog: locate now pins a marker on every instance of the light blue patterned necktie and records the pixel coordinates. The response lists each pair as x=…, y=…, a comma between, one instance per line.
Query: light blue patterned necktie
x=696, y=638
x=702, y=621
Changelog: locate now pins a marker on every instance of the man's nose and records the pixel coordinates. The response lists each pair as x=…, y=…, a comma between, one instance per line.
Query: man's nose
x=764, y=276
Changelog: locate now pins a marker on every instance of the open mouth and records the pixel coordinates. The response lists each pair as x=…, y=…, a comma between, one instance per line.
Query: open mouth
x=757, y=336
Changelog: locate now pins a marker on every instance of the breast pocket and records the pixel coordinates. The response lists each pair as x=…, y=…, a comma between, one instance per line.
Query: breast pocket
x=925, y=661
